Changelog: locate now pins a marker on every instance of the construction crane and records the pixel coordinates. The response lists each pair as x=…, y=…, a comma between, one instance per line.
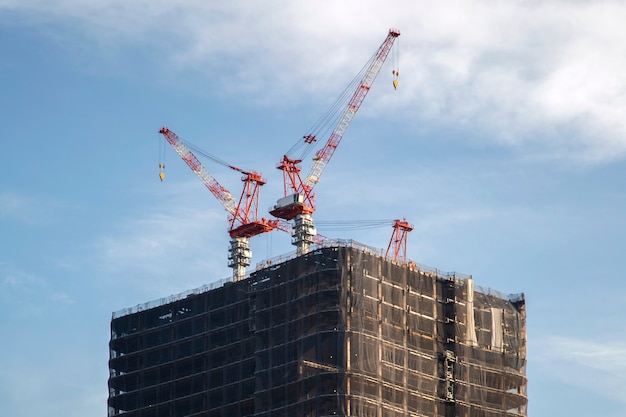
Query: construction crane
x=298, y=203
x=398, y=241
x=396, y=250
x=243, y=221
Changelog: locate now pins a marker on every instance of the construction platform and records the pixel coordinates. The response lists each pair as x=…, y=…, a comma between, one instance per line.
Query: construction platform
x=339, y=331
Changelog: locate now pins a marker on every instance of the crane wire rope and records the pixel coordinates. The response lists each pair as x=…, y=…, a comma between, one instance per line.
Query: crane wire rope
x=161, y=145
x=213, y=158
x=396, y=63
x=324, y=125
x=196, y=150
x=345, y=225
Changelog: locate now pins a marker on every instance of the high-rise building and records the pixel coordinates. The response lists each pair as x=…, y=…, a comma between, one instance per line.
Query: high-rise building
x=339, y=331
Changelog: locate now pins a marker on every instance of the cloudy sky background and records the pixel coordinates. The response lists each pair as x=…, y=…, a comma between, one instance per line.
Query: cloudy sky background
x=504, y=145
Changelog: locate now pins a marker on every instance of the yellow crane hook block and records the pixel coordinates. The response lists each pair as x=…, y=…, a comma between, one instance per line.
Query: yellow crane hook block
x=395, y=84
x=162, y=174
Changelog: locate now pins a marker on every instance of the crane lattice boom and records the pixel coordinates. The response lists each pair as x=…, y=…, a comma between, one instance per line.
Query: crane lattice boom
x=322, y=157
x=302, y=199
x=222, y=194
x=243, y=219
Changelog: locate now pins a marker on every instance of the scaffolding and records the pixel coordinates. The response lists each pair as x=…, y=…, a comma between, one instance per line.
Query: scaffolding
x=339, y=331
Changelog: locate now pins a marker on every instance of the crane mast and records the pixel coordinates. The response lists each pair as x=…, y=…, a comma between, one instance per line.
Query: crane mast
x=243, y=218
x=300, y=204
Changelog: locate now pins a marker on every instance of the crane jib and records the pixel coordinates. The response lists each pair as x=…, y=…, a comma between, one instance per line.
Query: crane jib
x=290, y=167
x=243, y=219
x=323, y=156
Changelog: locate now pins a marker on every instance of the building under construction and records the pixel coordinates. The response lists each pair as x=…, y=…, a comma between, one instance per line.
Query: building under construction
x=339, y=331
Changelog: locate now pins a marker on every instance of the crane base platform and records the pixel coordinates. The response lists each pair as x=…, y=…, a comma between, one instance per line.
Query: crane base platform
x=253, y=228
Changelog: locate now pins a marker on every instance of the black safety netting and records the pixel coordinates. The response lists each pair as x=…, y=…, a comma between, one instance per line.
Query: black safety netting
x=340, y=331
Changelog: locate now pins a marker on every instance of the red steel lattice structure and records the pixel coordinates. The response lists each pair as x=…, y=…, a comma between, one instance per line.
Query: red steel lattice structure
x=397, y=244
x=304, y=198
x=243, y=219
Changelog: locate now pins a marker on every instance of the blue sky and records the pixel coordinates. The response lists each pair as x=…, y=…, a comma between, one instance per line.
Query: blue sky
x=504, y=145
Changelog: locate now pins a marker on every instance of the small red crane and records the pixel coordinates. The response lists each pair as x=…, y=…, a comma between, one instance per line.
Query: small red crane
x=243, y=218
x=299, y=200
x=398, y=241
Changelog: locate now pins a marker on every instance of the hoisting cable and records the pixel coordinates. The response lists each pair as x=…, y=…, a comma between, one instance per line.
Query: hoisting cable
x=196, y=150
x=396, y=63
x=343, y=225
x=322, y=127
x=213, y=158
x=161, y=158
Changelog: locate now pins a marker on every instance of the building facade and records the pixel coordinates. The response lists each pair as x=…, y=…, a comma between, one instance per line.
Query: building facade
x=340, y=331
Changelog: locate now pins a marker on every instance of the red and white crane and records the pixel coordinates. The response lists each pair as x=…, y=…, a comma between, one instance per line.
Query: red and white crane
x=243, y=220
x=396, y=251
x=298, y=203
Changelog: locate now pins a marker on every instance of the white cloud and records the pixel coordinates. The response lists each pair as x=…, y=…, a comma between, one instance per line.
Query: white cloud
x=529, y=72
x=16, y=207
x=28, y=210
x=62, y=298
x=597, y=366
x=21, y=380
x=547, y=75
x=20, y=290
x=17, y=280
x=180, y=238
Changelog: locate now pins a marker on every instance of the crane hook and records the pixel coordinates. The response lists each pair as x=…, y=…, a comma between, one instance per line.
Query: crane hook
x=162, y=174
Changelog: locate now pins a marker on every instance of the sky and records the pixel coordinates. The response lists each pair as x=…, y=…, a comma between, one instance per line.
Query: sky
x=504, y=145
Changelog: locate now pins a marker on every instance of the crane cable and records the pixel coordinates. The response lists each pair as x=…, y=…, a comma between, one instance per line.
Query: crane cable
x=324, y=125
x=207, y=155
x=343, y=225
x=196, y=150
x=161, y=158
x=396, y=63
